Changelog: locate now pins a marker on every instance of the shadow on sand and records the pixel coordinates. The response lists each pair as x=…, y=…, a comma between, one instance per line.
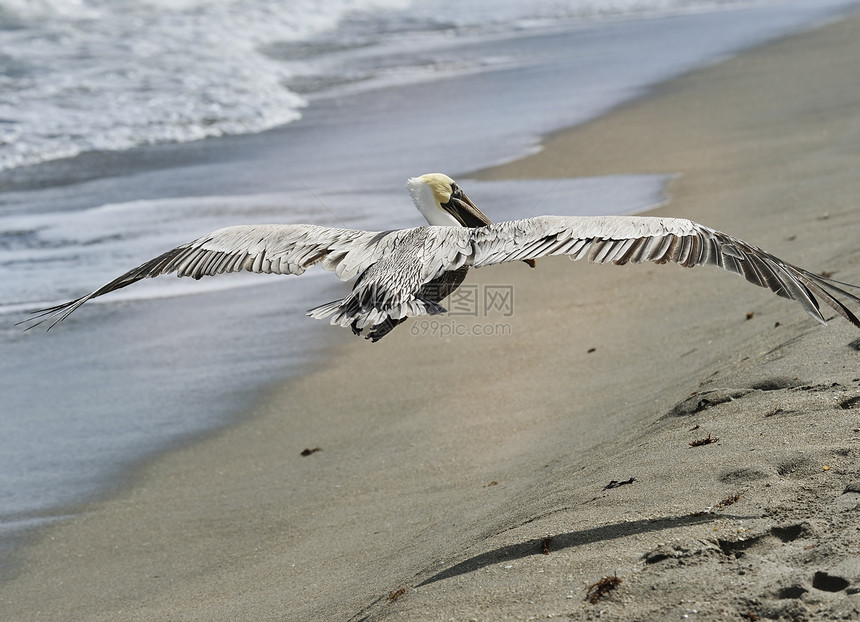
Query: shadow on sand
x=536, y=546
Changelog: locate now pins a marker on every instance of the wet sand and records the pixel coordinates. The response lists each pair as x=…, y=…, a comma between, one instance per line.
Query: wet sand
x=470, y=477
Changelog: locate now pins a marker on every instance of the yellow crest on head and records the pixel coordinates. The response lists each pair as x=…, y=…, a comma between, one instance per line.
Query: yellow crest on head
x=440, y=184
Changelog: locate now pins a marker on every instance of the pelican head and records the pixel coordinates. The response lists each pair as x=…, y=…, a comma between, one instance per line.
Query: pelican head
x=442, y=203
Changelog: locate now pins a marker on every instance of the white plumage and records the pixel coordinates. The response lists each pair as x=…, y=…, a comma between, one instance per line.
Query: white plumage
x=408, y=272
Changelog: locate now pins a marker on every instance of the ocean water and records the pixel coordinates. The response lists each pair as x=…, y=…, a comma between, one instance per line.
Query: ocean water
x=313, y=114
x=83, y=75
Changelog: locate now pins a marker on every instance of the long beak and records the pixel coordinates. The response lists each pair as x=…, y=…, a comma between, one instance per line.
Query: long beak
x=468, y=215
x=466, y=212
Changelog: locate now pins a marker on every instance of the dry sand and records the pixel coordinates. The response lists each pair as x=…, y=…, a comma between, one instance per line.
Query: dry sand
x=467, y=478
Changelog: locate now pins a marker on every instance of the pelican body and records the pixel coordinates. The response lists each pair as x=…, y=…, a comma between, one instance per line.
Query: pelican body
x=408, y=272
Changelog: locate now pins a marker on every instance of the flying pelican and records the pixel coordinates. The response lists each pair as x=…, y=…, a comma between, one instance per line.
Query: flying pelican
x=408, y=272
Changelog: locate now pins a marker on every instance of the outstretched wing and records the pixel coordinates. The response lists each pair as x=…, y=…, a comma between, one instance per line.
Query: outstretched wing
x=278, y=249
x=637, y=239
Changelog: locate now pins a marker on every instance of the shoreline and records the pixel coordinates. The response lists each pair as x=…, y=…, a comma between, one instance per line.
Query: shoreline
x=438, y=493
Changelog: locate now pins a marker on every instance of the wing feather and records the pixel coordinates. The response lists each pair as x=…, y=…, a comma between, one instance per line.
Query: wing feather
x=278, y=249
x=639, y=239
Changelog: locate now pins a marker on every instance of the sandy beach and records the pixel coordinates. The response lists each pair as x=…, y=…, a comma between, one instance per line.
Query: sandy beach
x=495, y=477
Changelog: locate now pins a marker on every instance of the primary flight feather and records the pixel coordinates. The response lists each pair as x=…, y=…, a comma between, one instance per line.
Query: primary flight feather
x=408, y=272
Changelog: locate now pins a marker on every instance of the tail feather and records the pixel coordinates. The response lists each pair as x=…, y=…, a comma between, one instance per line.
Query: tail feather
x=369, y=321
x=323, y=311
